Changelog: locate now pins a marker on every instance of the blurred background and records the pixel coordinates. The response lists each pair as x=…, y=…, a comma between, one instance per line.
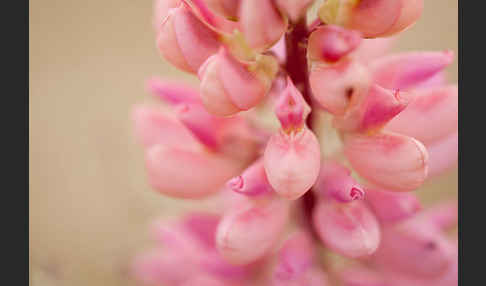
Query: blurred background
x=90, y=204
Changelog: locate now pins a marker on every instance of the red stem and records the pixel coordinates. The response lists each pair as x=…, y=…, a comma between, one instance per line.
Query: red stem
x=297, y=70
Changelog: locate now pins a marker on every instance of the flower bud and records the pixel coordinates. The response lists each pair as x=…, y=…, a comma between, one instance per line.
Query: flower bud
x=248, y=232
x=374, y=18
x=295, y=9
x=374, y=110
x=335, y=182
x=335, y=87
x=291, y=108
x=331, y=43
x=180, y=32
x=187, y=174
x=261, y=23
x=229, y=85
x=391, y=207
x=406, y=70
x=349, y=229
x=292, y=162
x=389, y=161
x=252, y=182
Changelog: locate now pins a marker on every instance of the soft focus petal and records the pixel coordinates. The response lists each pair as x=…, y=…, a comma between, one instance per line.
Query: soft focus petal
x=294, y=258
x=374, y=110
x=443, y=154
x=373, y=18
x=336, y=86
x=413, y=247
x=160, y=267
x=331, y=43
x=391, y=207
x=370, y=49
x=443, y=215
x=261, y=23
x=361, y=276
x=180, y=32
x=201, y=124
x=152, y=127
x=349, y=229
x=335, y=181
x=171, y=92
x=294, y=8
x=248, y=232
x=203, y=280
x=161, y=10
x=187, y=174
x=408, y=69
x=227, y=8
x=431, y=116
x=292, y=162
x=390, y=161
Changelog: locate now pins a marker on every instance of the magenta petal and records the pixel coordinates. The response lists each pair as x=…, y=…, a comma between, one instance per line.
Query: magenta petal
x=252, y=182
x=331, y=43
x=349, y=229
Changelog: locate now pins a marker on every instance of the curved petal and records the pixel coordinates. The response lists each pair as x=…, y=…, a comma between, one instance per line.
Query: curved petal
x=390, y=161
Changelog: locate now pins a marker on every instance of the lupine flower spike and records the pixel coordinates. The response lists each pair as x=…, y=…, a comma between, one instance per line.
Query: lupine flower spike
x=249, y=140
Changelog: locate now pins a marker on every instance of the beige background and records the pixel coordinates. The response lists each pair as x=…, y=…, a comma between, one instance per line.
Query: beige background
x=89, y=202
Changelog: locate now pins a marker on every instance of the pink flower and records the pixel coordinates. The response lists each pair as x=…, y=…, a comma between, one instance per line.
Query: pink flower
x=283, y=180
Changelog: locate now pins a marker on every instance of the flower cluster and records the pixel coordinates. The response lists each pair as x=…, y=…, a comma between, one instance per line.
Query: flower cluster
x=283, y=195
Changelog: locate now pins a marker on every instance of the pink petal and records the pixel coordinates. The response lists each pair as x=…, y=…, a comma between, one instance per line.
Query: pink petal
x=294, y=258
x=203, y=280
x=413, y=248
x=374, y=110
x=443, y=154
x=349, y=229
x=248, y=232
x=291, y=108
x=160, y=267
x=215, y=22
x=252, y=182
x=179, y=34
x=408, y=69
x=331, y=43
x=226, y=8
x=292, y=162
x=228, y=86
x=374, y=18
x=361, y=276
x=152, y=127
x=201, y=124
x=371, y=49
x=171, y=92
x=431, y=116
x=335, y=181
x=443, y=215
x=335, y=86
x=390, y=161
x=391, y=207
x=261, y=23
x=187, y=174
x=161, y=10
